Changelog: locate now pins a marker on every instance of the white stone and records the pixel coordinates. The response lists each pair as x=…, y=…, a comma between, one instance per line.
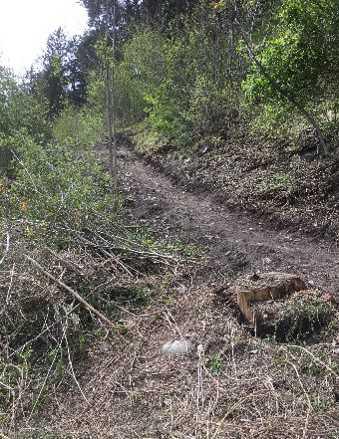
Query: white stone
x=177, y=347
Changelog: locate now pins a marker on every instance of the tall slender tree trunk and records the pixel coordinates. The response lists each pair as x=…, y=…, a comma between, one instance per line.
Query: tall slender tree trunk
x=109, y=114
x=110, y=104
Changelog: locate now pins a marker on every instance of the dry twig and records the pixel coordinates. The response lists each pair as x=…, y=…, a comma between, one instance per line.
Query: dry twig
x=80, y=299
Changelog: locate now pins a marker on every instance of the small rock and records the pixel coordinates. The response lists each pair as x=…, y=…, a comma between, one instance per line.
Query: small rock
x=177, y=347
x=204, y=148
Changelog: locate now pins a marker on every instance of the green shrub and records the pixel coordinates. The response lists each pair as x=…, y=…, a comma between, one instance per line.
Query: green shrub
x=20, y=111
x=140, y=73
x=163, y=114
x=293, y=72
x=78, y=128
x=56, y=187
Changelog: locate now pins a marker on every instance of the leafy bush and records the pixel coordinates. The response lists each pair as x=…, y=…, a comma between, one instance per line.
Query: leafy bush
x=163, y=114
x=141, y=71
x=294, y=70
x=78, y=128
x=21, y=111
x=56, y=187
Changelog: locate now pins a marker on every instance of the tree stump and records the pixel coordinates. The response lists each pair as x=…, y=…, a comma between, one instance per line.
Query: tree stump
x=269, y=287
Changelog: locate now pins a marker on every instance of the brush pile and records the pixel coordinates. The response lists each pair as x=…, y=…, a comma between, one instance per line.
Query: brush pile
x=54, y=300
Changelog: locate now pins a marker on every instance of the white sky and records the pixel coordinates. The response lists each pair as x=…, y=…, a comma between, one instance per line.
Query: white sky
x=26, y=24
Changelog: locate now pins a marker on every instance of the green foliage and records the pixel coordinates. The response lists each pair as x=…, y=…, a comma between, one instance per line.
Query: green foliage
x=186, y=70
x=215, y=364
x=180, y=83
x=20, y=111
x=210, y=107
x=61, y=80
x=276, y=182
x=143, y=59
x=56, y=188
x=96, y=93
x=297, y=60
x=79, y=128
x=140, y=74
x=163, y=114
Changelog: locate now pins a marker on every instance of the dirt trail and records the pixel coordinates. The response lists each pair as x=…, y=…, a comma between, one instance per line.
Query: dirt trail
x=234, y=241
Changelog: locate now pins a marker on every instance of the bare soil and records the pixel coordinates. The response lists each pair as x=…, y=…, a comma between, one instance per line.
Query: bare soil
x=233, y=241
x=233, y=386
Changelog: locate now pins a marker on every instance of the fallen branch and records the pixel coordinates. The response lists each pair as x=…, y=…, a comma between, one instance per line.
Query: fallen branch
x=80, y=299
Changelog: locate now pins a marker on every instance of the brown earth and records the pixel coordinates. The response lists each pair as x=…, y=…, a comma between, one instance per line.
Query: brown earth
x=234, y=386
x=233, y=241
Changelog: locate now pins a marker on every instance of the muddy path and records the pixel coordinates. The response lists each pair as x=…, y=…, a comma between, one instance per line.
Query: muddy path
x=233, y=241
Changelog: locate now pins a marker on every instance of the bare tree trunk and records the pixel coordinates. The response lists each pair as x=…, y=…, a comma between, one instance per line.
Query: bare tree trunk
x=109, y=114
x=111, y=125
x=280, y=90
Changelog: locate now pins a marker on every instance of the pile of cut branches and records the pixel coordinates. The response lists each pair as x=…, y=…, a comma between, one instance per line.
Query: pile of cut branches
x=55, y=302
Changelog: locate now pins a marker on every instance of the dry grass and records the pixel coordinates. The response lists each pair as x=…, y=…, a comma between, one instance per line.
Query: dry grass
x=51, y=300
x=232, y=386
